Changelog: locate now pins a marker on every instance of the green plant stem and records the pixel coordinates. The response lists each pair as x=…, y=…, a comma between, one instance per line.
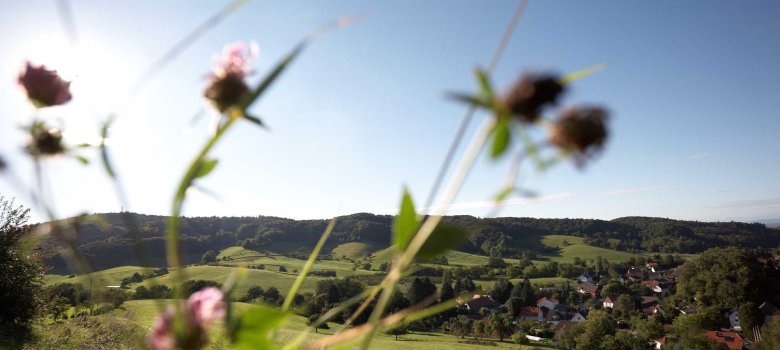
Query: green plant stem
x=425, y=231
x=306, y=267
x=172, y=249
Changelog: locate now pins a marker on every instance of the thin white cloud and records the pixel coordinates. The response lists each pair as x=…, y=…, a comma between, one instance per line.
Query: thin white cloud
x=750, y=204
x=700, y=155
x=632, y=190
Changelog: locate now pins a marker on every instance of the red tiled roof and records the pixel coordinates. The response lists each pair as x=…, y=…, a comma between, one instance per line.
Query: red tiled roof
x=530, y=311
x=650, y=284
x=732, y=340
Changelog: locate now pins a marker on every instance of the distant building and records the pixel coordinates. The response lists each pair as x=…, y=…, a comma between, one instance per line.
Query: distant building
x=531, y=313
x=731, y=340
x=480, y=301
x=549, y=303
x=734, y=320
x=587, y=289
x=609, y=301
x=578, y=317
x=585, y=277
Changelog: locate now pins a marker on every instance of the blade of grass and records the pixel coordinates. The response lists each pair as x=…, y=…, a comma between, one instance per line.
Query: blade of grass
x=182, y=44
x=306, y=267
x=296, y=343
x=582, y=73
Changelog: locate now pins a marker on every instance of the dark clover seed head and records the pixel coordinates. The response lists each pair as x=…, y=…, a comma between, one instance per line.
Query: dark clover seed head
x=531, y=93
x=44, y=87
x=581, y=131
x=3, y=164
x=226, y=90
x=45, y=141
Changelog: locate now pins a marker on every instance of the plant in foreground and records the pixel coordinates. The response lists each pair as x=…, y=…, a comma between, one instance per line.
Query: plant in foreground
x=44, y=87
x=188, y=328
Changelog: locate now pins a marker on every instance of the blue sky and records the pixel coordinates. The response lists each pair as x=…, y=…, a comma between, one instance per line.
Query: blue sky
x=692, y=86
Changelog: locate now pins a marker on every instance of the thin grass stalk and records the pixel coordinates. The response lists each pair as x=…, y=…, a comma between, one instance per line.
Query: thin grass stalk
x=306, y=267
x=425, y=231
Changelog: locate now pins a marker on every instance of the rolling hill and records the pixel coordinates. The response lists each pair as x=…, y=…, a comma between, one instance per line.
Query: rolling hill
x=118, y=239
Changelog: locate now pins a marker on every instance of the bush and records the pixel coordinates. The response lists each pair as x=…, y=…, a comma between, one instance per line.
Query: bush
x=520, y=338
x=21, y=286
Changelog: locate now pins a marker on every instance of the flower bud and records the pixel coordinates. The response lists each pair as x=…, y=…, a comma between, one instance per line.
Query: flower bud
x=44, y=87
x=226, y=91
x=531, y=93
x=581, y=130
x=45, y=141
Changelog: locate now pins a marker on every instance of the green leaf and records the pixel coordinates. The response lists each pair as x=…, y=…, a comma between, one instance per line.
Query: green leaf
x=502, y=136
x=444, y=237
x=104, y=150
x=582, y=73
x=255, y=120
x=406, y=222
x=254, y=327
x=504, y=194
x=469, y=99
x=82, y=159
x=485, y=88
x=271, y=77
x=205, y=167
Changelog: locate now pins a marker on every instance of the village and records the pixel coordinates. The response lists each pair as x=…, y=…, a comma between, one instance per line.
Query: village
x=643, y=293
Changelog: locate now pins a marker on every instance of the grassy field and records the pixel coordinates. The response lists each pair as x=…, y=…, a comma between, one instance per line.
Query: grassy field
x=142, y=313
x=571, y=247
x=250, y=277
x=109, y=277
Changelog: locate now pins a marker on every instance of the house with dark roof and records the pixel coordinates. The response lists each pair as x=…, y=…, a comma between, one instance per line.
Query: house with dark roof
x=609, y=301
x=480, y=301
x=769, y=311
x=585, y=277
x=578, y=317
x=587, y=289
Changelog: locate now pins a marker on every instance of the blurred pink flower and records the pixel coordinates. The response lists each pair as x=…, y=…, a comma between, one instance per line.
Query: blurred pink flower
x=227, y=86
x=201, y=310
x=44, y=87
x=161, y=337
x=236, y=59
x=206, y=306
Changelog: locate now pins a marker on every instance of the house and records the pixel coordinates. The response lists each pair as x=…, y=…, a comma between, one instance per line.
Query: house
x=554, y=317
x=531, y=313
x=659, y=343
x=634, y=274
x=587, y=289
x=686, y=310
x=549, y=303
x=660, y=287
x=656, y=309
x=578, y=317
x=585, y=277
x=652, y=266
x=648, y=301
x=731, y=340
x=734, y=320
x=609, y=301
x=769, y=311
x=480, y=301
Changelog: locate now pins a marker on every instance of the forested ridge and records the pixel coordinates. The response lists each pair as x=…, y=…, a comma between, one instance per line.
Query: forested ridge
x=107, y=240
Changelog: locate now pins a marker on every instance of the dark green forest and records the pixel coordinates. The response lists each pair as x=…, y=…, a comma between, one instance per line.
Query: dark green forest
x=116, y=239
